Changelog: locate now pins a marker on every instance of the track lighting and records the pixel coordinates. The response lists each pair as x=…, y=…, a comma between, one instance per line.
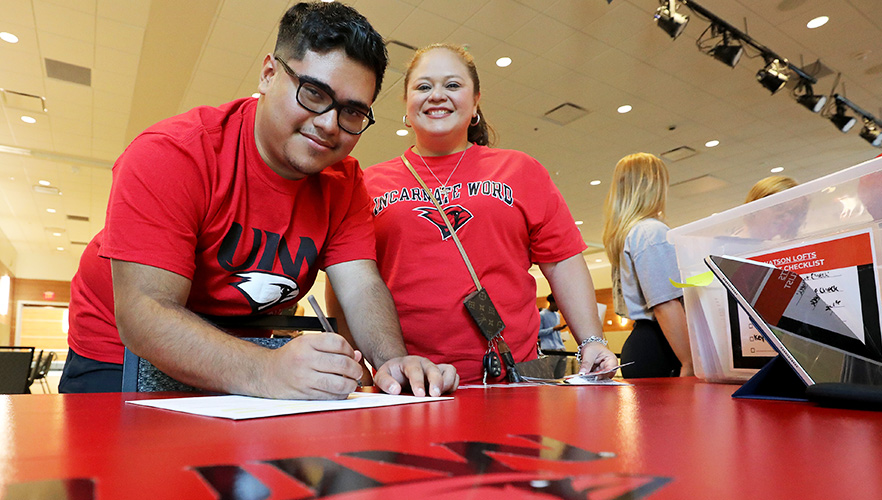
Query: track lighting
x=773, y=77
x=668, y=19
x=728, y=51
x=842, y=121
x=872, y=133
x=812, y=102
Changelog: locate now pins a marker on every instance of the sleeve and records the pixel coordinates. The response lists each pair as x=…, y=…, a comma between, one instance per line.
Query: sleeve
x=353, y=238
x=555, y=236
x=655, y=264
x=156, y=205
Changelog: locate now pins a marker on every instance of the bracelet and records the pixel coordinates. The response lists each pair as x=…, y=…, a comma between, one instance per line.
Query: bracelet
x=587, y=341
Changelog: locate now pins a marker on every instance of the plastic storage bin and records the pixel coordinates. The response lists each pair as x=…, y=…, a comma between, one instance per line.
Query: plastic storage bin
x=803, y=229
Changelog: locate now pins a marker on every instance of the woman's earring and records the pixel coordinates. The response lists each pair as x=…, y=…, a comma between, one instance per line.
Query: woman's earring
x=474, y=122
x=404, y=120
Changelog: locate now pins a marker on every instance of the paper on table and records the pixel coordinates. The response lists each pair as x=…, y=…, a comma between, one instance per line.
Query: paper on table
x=243, y=407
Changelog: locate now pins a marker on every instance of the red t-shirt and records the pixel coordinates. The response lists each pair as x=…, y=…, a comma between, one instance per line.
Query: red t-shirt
x=508, y=214
x=192, y=195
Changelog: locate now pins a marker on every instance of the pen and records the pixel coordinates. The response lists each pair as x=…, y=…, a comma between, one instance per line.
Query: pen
x=326, y=325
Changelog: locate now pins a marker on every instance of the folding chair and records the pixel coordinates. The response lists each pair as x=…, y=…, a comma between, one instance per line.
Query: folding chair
x=15, y=369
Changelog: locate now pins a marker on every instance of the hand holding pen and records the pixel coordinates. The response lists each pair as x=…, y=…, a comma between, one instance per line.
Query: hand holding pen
x=326, y=325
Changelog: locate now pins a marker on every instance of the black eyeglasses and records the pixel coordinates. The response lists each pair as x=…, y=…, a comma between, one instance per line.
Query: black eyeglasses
x=317, y=100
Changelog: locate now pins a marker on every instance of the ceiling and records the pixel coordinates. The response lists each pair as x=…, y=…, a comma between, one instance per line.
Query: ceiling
x=151, y=59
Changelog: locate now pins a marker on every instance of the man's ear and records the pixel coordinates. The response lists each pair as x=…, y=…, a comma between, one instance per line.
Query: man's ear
x=267, y=71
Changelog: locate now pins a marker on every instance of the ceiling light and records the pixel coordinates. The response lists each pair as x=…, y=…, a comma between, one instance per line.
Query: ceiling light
x=772, y=77
x=671, y=21
x=45, y=183
x=814, y=103
x=817, y=22
x=776, y=170
x=255, y=95
x=51, y=210
x=56, y=234
x=711, y=144
x=872, y=133
x=728, y=54
x=624, y=109
x=503, y=62
x=579, y=223
x=595, y=182
x=842, y=121
x=401, y=132
x=28, y=119
x=60, y=249
x=8, y=37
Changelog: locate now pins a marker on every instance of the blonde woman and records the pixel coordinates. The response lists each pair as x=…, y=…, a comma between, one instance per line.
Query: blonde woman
x=634, y=234
x=769, y=186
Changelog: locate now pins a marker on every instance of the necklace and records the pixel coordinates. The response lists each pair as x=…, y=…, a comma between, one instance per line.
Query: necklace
x=443, y=184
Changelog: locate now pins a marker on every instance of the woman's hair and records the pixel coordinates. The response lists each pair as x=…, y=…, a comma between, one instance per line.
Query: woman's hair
x=639, y=190
x=770, y=185
x=481, y=133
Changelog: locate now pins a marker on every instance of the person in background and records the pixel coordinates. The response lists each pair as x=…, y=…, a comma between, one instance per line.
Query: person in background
x=550, y=326
x=781, y=221
x=643, y=262
x=768, y=186
x=504, y=208
x=231, y=211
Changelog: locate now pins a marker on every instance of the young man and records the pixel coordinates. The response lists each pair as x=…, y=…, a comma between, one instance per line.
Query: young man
x=231, y=211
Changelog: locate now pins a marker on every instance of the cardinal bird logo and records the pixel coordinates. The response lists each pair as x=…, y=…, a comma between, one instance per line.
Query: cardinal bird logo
x=456, y=214
x=265, y=290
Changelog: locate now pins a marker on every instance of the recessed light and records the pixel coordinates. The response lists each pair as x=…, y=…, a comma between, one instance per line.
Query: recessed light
x=8, y=37
x=598, y=260
x=255, y=95
x=401, y=132
x=710, y=144
x=28, y=119
x=51, y=210
x=60, y=249
x=776, y=170
x=624, y=109
x=45, y=183
x=595, y=182
x=503, y=62
x=817, y=22
x=56, y=234
x=579, y=222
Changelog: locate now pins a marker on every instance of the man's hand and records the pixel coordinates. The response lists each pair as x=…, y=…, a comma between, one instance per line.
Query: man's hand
x=417, y=372
x=314, y=366
x=595, y=357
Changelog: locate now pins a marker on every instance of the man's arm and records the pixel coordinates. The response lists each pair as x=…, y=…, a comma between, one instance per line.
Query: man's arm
x=154, y=323
x=573, y=291
x=373, y=323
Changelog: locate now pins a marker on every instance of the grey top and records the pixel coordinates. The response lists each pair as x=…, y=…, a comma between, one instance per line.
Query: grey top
x=647, y=263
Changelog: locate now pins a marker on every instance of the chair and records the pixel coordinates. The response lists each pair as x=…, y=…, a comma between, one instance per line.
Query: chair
x=43, y=365
x=15, y=369
x=139, y=375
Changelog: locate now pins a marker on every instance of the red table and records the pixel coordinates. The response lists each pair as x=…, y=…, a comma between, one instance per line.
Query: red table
x=660, y=439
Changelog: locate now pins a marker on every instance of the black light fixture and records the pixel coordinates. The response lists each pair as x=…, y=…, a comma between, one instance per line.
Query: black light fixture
x=812, y=102
x=842, y=121
x=773, y=76
x=872, y=133
x=728, y=51
x=668, y=19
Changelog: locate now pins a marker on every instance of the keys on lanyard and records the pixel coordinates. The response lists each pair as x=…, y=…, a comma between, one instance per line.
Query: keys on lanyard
x=492, y=363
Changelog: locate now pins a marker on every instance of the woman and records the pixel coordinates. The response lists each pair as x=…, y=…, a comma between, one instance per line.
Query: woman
x=503, y=207
x=642, y=262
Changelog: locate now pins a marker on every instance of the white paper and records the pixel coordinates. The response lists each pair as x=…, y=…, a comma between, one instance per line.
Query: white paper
x=243, y=407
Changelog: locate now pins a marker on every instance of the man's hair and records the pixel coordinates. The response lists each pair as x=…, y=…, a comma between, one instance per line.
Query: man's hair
x=322, y=27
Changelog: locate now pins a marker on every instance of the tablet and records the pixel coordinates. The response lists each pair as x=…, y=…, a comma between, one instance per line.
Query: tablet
x=798, y=324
